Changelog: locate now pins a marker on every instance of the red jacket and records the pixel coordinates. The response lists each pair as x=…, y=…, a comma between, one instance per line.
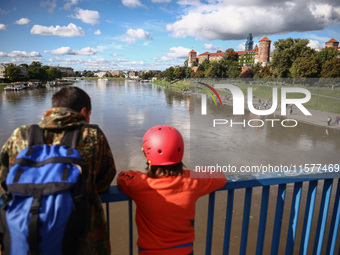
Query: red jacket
x=166, y=208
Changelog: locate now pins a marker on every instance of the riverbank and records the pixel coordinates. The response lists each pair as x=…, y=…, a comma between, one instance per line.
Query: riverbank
x=324, y=102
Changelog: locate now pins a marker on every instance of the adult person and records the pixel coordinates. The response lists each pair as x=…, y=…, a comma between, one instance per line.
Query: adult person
x=71, y=107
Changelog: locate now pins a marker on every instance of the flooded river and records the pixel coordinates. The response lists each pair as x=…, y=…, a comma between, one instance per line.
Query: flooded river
x=125, y=110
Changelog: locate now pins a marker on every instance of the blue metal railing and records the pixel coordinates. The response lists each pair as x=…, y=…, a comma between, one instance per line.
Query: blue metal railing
x=327, y=223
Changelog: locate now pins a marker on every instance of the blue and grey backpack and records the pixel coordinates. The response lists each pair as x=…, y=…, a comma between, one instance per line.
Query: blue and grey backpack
x=46, y=209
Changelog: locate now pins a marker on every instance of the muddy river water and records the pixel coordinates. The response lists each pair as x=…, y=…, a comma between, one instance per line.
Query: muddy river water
x=125, y=110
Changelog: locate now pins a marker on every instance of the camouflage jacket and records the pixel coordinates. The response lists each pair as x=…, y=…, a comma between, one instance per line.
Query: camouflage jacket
x=96, y=156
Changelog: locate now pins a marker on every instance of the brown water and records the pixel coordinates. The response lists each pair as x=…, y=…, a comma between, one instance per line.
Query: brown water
x=125, y=110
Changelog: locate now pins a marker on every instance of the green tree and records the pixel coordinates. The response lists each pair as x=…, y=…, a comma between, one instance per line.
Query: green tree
x=285, y=53
x=179, y=72
x=216, y=70
x=204, y=65
x=53, y=73
x=305, y=67
x=230, y=54
x=169, y=74
x=12, y=72
x=186, y=62
x=326, y=54
x=36, y=71
x=331, y=69
x=233, y=69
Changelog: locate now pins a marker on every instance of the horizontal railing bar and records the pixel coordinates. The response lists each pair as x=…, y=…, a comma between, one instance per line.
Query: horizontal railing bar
x=233, y=182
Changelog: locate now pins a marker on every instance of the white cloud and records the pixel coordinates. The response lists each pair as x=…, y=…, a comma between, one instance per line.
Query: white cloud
x=22, y=21
x=68, y=51
x=68, y=5
x=132, y=3
x=70, y=31
x=114, y=55
x=188, y=2
x=87, y=16
x=178, y=52
x=240, y=47
x=161, y=1
x=16, y=54
x=314, y=44
x=51, y=4
x=3, y=27
x=137, y=34
x=231, y=20
x=211, y=47
x=98, y=32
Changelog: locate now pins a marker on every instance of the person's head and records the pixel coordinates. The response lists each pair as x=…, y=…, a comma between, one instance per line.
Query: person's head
x=73, y=98
x=163, y=147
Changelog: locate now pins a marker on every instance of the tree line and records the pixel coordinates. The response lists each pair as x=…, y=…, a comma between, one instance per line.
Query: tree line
x=291, y=58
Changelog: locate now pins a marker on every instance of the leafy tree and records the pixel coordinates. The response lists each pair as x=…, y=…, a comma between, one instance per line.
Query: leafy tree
x=230, y=54
x=204, y=65
x=285, y=53
x=233, y=69
x=89, y=74
x=53, y=73
x=247, y=74
x=216, y=70
x=194, y=63
x=12, y=72
x=36, y=71
x=197, y=74
x=186, y=62
x=326, y=54
x=305, y=67
x=188, y=72
x=169, y=74
x=266, y=72
x=255, y=68
x=179, y=72
x=331, y=69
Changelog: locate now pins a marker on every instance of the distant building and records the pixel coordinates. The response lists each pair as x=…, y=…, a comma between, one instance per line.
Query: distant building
x=264, y=51
x=192, y=58
x=249, y=43
x=332, y=43
x=134, y=75
x=247, y=57
x=2, y=70
x=100, y=74
x=66, y=70
x=116, y=73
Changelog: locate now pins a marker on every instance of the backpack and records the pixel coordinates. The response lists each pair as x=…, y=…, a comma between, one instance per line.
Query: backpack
x=46, y=210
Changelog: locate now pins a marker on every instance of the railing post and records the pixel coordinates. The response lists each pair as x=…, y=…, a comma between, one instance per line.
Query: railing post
x=210, y=223
x=294, y=214
x=228, y=221
x=334, y=227
x=320, y=231
x=309, y=211
x=263, y=220
x=278, y=218
x=245, y=223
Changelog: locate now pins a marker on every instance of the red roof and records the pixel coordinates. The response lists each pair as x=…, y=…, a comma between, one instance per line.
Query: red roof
x=243, y=52
x=192, y=51
x=265, y=39
x=332, y=41
x=205, y=53
x=217, y=54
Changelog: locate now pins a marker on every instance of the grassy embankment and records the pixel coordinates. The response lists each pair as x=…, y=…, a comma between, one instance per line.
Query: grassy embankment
x=323, y=98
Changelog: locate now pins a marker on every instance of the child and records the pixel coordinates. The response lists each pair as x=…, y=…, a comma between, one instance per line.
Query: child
x=166, y=194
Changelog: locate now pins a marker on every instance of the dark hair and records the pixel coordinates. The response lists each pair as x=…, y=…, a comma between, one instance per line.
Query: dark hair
x=169, y=170
x=73, y=98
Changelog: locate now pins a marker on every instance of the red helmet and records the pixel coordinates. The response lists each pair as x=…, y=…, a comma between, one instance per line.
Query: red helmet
x=163, y=145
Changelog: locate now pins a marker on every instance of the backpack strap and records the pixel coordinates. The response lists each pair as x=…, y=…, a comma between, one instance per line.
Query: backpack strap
x=35, y=136
x=71, y=137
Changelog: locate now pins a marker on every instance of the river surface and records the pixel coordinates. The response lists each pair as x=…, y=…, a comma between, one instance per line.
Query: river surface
x=126, y=110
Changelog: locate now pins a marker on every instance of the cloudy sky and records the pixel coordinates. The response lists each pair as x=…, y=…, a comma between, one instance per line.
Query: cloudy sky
x=152, y=34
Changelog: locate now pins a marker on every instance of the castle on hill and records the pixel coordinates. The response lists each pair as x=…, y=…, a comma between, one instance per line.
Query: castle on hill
x=260, y=54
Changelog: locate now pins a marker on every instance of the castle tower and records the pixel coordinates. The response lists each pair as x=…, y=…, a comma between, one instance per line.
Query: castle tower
x=192, y=57
x=264, y=50
x=249, y=42
x=332, y=43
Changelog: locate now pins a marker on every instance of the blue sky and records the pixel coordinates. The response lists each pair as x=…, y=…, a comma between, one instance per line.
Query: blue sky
x=152, y=34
